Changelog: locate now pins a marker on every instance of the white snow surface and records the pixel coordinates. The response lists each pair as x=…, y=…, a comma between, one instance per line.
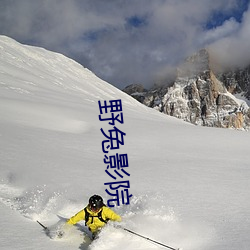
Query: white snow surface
x=190, y=184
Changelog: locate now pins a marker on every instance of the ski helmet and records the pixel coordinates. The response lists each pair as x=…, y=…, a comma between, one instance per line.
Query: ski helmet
x=95, y=202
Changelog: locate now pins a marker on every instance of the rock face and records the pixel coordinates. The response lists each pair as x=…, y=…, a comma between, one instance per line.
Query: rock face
x=237, y=81
x=201, y=97
x=137, y=91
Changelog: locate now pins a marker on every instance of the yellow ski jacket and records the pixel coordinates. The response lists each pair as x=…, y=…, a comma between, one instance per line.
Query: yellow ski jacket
x=94, y=223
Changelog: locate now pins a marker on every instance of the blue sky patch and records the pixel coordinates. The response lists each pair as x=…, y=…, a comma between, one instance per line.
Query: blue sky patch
x=136, y=21
x=219, y=17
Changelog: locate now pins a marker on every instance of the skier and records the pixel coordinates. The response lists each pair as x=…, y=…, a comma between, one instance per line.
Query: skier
x=95, y=214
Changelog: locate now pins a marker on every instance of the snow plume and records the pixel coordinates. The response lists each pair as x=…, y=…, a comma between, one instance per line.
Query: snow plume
x=35, y=203
x=147, y=215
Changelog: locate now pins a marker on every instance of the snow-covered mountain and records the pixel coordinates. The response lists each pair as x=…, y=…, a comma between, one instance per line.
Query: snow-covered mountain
x=201, y=96
x=190, y=184
x=237, y=81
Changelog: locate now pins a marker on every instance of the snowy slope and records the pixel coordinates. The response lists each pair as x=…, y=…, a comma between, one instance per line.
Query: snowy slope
x=190, y=184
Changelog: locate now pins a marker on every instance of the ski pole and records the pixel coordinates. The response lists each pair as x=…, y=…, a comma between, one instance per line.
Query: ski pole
x=149, y=239
x=45, y=228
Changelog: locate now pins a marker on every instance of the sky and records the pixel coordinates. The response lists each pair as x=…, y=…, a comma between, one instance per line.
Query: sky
x=132, y=41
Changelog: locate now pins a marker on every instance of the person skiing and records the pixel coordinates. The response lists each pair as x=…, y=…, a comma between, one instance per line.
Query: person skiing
x=96, y=214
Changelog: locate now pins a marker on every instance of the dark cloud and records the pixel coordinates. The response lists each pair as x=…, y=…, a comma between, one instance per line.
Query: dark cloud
x=131, y=41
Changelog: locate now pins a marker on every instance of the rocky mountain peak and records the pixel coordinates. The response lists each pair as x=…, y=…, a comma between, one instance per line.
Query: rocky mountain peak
x=196, y=64
x=200, y=96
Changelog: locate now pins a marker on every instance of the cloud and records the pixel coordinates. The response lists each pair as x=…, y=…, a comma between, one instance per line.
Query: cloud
x=121, y=41
x=233, y=49
x=228, y=28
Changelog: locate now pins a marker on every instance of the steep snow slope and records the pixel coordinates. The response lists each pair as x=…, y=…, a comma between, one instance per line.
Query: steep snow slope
x=190, y=184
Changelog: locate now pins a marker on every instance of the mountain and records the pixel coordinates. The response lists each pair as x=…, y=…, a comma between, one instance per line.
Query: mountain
x=237, y=81
x=190, y=184
x=202, y=97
